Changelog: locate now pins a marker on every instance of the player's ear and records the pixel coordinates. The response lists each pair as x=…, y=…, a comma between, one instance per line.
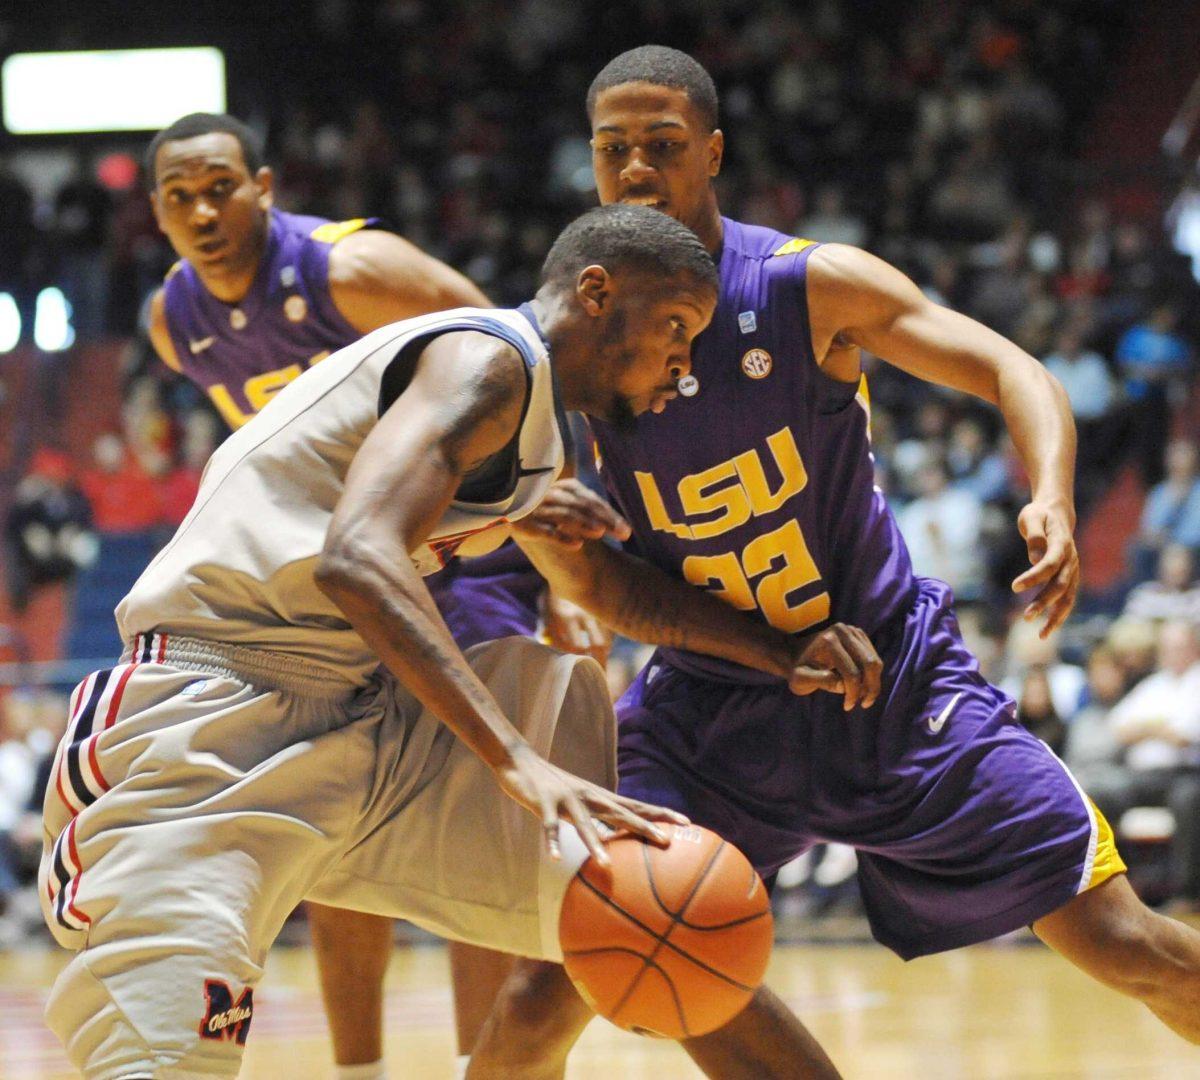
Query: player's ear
x=593, y=287
x=716, y=151
x=265, y=181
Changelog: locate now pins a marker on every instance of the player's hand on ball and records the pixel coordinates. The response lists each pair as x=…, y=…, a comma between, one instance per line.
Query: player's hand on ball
x=841, y=660
x=572, y=629
x=1048, y=527
x=569, y=514
x=554, y=794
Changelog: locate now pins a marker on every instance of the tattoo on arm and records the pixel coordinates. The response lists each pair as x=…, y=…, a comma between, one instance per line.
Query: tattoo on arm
x=481, y=413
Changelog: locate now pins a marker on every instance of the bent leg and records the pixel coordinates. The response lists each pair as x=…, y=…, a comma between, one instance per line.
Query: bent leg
x=537, y=1018
x=765, y=1041
x=1110, y=934
x=353, y=949
x=477, y=976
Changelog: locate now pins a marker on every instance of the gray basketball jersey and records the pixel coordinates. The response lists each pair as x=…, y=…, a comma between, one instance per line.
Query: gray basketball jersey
x=240, y=569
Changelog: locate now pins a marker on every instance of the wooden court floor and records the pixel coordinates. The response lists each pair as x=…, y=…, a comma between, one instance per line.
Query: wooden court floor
x=993, y=1012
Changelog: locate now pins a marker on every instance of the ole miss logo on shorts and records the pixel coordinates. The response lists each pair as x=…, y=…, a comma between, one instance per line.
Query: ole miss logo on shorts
x=224, y=1018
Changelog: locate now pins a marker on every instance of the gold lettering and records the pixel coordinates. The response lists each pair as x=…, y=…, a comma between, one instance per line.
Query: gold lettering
x=313, y=361
x=730, y=499
x=798, y=570
x=261, y=388
x=227, y=407
x=655, y=510
x=725, y=573
x=793, y=476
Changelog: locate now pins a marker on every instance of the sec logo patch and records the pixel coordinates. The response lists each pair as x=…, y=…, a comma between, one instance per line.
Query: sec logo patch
x=757, y=363
x=295, y=308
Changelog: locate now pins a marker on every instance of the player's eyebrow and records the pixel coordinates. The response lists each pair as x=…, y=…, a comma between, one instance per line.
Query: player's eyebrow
x=617, y=129
x=212, y=166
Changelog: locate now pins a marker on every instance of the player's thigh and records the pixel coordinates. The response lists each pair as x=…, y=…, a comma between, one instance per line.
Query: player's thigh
x=173, y=882
x=455, y=854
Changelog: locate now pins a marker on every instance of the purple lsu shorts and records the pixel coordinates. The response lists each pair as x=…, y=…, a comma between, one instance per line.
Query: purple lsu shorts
x=489, y=597
x=966, y=825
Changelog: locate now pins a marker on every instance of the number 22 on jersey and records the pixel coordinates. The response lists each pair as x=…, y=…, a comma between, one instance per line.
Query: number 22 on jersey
x=736, y=490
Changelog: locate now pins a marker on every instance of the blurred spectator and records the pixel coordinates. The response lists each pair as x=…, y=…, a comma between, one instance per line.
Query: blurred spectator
x=1134, y=643
x=1171, y=514
x=1092, y=750
x=974, y=463
x=177, y=490
x=47, y=533
x=1158, y=724
x=1084, y=375
x=830, y=222
x=81, y=211
x=1174, y=594
x=1035, y=709
x=1028, y=651
x=18, y=251
x=1158, y=721
x=121, y=492
x=942, y=526
x=1154, y=359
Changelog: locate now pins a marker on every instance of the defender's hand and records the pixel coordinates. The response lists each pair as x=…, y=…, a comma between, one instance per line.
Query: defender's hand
x=1048, y=528
x=572, y=629
x=553, y=793
x=571, y=513
x=839, y=659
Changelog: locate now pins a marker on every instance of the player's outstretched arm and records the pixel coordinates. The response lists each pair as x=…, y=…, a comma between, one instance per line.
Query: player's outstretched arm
x=462, y=404
x=858, y=300
x=376, y=278
x=160, y=336
x=642, y=602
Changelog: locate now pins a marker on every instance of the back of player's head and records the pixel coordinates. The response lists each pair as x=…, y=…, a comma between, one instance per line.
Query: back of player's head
x=188, y=127
x=660, y=66
x=619, y=237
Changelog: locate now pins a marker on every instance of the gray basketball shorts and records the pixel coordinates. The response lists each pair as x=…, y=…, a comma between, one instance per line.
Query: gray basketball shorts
x=192, y=806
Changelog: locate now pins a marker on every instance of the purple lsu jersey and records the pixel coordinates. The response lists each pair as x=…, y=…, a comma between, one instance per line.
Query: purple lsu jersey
x=243, y=354
x=758, y=483
x=774, y=506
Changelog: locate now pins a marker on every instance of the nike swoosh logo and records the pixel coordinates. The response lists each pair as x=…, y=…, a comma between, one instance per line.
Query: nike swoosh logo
x=534, y=472
x=936, y=725
x=201, y=345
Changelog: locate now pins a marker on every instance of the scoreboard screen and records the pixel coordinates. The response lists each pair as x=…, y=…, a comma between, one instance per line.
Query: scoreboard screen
x=110, y=90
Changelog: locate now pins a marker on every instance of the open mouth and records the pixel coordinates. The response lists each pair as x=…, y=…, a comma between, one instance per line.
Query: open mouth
x=654, y=202
x=213, y=246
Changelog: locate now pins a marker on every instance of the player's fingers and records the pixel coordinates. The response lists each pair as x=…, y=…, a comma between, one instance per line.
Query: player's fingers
x=1045, y=568
x=1053, y=589
x=872, y=667
x=1057, y=615
x=807, y=680
x=550, y=828
x=581, y=818
x=848, y=667
x=651, y=812
x=617, y=812
x=573, y=499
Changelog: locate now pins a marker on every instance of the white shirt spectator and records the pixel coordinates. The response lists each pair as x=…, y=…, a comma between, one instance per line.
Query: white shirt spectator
x=942, y=527
x=1086, y=378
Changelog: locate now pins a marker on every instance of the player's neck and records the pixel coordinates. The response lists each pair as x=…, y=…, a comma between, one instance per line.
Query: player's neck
x=709, y=226
x=230, y=287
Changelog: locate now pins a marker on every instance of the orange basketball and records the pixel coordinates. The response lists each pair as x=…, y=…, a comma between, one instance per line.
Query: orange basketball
x=669, y=942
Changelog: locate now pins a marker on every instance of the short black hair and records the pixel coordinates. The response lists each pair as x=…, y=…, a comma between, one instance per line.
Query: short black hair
x=660, y=66
x=202, y=123
x=619, y=237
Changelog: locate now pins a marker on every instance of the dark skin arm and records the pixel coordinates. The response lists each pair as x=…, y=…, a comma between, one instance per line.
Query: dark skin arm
x=463, y=403
x=160, y=338
x=857, y=301
x=637, y=599
x=376, y=278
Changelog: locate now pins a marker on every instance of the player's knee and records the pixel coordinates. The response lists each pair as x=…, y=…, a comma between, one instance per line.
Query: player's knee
x=538, y=1008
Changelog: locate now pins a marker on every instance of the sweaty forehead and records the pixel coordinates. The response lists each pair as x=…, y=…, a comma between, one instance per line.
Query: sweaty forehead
x=191, y=158
x=641, y=106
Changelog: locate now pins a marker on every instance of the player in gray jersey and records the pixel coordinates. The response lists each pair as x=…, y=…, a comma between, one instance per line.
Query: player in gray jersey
x=247, y=751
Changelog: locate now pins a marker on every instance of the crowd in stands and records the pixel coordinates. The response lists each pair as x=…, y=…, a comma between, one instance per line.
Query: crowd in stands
x=943, y=135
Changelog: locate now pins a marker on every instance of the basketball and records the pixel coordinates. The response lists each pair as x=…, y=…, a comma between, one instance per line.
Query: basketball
x=670, y=942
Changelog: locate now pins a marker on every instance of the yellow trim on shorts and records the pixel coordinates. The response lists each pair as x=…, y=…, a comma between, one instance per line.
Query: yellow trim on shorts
x=1108, y=862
